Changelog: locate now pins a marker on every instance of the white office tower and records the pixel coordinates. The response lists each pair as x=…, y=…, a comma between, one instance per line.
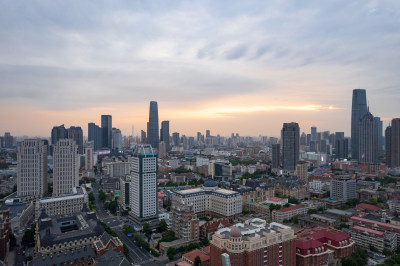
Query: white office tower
x=32, y=168
x=65, y=167
x=143, y=188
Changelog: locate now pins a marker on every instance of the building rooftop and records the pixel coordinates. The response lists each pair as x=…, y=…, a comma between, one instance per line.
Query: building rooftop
x=291, y=208
x=367, y=230
x=191, y=256
x=60, y=228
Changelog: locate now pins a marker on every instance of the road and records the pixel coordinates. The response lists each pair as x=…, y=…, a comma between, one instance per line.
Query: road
x=137, y=255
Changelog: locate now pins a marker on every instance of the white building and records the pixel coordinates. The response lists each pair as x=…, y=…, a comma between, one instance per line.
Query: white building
x=118, y=169
x=65, y=167
x=210, y=200
x=143, y=187
x=64, y=205
x=343, y=188
x=32, y=168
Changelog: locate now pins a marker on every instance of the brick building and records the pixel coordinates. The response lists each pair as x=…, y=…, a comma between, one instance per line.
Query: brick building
x=4, y=232
x=319, y=246
x=254, y=243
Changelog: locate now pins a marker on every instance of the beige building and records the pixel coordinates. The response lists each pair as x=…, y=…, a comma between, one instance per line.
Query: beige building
x=32, y=168
x=63, y=205
x=118, y=169
x=302, y=170
x=65, y=167
x=366, y=237
x=210, y=200
x=257, y=195
x=89, y=156
x=184, y=222
x=281, y=215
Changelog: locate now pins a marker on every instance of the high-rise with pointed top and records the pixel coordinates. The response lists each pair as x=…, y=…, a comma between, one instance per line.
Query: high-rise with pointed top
x=358, y=110
x=153, y=137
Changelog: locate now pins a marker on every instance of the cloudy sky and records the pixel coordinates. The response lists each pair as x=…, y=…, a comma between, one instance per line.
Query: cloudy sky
x=227, y=66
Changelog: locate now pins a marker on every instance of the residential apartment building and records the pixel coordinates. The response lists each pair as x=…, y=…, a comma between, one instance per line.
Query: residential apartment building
x=343, y=188
x=184, y=222
x=32, y=168
x=281, y=215
x=367, y=238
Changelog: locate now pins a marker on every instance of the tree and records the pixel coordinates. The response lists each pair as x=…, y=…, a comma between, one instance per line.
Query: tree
x=286, y=205
x=171, y=253
x=91, y=197
x=373, y=201
x=147, y=229
x=312, y=211
x=113, y=206
x=28, y=239
x=386, y=252
x=163, y=225
x=205, y=242
x=126, y=251
x=197, y=261
x=293, y=200
x=13, y=240
x=274, y=206
x=245, y=211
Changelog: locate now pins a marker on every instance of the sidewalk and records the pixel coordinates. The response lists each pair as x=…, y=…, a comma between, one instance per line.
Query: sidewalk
x=11, y=258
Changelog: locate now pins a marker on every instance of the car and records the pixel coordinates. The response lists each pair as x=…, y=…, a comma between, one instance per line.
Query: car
x=19, y=253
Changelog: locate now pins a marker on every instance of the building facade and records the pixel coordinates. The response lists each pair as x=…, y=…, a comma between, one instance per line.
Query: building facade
x=152, y=126
x=392, y=137
x=32, y=168
x=343, y=188
x=65, y=167
x=276, y=156
x=367, y=238
x=106, y=127
x=76, y=134
x=368, y=139
x=358, y=110
x=254, y=243
x=89, y=155
x=164, y=134
x=143, y=187
x=290, y=145
x=95, y=134
x=184, y=222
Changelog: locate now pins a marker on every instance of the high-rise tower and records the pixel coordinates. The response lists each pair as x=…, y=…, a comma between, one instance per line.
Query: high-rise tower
x=358, y=110
x=164, y=134
x=76, y=134
x=368, y=139
x=143, y=187
x=106, y=126
x=392, y=134
x=95, y=134
x=152, y=126
x=290, y=145
x=32, y=168
x=65, y=167
x=57, y=133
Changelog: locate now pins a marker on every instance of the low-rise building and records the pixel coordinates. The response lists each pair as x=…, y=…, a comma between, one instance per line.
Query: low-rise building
x=190, y=257
x=319, y=219
x=210, y=200
x=63, y=205
x=322, y=246
x=284, y=214
x=254, y=243
x=209, y=228
x=367, y=238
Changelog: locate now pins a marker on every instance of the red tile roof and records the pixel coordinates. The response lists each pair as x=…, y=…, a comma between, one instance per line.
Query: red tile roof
x=275, y=199
x=290, y=208
x=213, y=226
x=191, y=256
x=207, y=249
x=366, y=206
x=367, y=230
x=372, y=222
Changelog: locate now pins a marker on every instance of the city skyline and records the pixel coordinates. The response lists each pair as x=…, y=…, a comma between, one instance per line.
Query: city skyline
x=247, y=67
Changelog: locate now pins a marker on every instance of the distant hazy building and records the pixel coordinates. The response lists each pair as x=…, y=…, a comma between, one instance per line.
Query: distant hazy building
x=314, y=134
x=143, y=137
x=106, y=126
x=116, y=143
x=276, y=156
x=303, y=139
x=358, y=110
x=343, y=188
x=368, y=139
x=164, y=134
x=162, y=150
x=379, y=134
x=392, y=138
x=143, y=188
x=175, y=138
x=76, y=134
x=290, y=145
x=8, y=140
x=57, y=133
x=342, y=148
x=152, y=126
x=65, y=167
x=89, y=155
x=95, y=134
x=32, y=168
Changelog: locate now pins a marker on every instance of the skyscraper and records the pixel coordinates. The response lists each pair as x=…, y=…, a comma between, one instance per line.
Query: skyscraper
x=276, y=156
x=143, y=188
x=116, y=136
x=175, y=138
x=303, y=139
x=314, y=134
x=290, y=145
x=76, y=134
x=164, y=134
x=57, y=133
x=392, y=134
x=89, y=155
x=358, y=110
x=143, y=137
x=368, y=139
x=32, y=168
x=106, y=126
x=65, y=167
x=379, y=134
x=8, y=140
x=95, y=134
x=152, y=126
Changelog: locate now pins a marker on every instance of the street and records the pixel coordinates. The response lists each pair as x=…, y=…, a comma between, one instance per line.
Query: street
x=137, y=255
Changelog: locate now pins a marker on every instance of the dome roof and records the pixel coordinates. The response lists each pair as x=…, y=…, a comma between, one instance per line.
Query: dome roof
x=210, y=183
x=235, y=232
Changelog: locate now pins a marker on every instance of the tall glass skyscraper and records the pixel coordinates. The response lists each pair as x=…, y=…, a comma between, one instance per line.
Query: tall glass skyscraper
x=106, y=125
x=153, y=132
x=358, y=110
x=95, y=134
